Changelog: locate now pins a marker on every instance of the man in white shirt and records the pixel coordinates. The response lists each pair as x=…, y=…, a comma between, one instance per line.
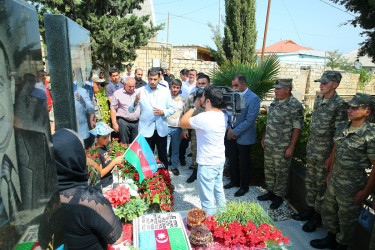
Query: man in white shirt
x=174, y=129
x=190, y=84
x=210, y=128
x=156, y=105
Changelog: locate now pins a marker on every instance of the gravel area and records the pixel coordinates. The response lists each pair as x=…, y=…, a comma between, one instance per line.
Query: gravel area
x=186, y=194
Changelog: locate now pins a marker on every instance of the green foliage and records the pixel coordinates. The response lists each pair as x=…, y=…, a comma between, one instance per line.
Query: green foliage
x=115, y=34
x=364, y=18
x=102, y=99
x=132, y=209
x=239, y=33
x=300, y=150
x=243, y=212
x=259, y=77
x=364, y=79
x=337, y=61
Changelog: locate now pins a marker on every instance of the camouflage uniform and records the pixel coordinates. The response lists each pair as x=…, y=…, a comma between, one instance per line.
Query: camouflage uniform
x=98, y=111
x=354, y=151
x=326, y=115
x=284, y=116
x=189, y=103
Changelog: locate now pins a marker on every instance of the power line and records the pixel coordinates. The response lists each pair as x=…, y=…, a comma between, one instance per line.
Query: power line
x=333, y=6
x=183, y=15
x=291, y=18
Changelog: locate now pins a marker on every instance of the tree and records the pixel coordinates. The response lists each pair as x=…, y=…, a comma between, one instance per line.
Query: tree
x=240, y=33
x=365, y=20
x=259, y=77
x=337, y=61
x=115, y=34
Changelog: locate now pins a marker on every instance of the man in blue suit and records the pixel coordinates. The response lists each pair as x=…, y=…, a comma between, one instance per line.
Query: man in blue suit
x=156, y=105
x=241, y=135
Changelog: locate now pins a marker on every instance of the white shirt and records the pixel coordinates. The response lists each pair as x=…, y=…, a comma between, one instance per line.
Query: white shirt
x=187, y=89
x=210, y=129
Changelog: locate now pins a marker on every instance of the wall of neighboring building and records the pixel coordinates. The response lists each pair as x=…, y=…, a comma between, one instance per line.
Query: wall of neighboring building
x=303, y=81
x=303, y=60
x=174, y=60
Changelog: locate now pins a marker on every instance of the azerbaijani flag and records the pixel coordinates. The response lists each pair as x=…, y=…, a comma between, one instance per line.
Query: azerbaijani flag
x=139, y=154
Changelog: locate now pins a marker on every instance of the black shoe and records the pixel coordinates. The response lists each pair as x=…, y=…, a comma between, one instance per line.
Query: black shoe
x=169, y=163
x=328, y=242
x=307, y=214
x=241, y=192
x=190, y=154
x=192, y=177
x=182, y=162
x=341, y=247
x=266, y=197
x=230, y=185
x=175, y=171
x=313, y=223
x=276, y=203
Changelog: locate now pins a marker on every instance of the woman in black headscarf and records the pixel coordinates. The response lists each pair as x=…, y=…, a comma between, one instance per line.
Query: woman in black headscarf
x=88, y=217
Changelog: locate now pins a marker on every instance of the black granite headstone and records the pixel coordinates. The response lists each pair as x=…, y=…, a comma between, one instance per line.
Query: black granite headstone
x=29, y=201
x=69, y=61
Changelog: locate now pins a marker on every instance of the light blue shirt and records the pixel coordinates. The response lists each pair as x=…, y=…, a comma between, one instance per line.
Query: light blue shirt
x=159, y=98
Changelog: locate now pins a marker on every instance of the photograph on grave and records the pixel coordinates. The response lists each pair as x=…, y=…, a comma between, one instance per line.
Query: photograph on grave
x=28, y=174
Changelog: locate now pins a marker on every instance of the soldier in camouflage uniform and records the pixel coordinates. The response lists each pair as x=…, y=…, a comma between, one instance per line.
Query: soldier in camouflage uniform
x=348, y=186
x=96, y=82
x=329, y=110
x=202, y=81
x=284, y=125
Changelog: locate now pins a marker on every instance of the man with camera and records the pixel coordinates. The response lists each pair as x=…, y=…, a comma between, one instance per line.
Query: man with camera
x=241, y=135
x=202, y=81
x=210, y=128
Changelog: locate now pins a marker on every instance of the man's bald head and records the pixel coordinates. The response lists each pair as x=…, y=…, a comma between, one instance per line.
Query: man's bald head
x=129, y=85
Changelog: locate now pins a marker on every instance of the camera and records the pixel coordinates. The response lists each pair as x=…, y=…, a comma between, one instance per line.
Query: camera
x=234, y=99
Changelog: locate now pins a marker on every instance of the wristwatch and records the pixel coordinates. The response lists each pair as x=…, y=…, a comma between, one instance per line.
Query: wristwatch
x=193, y=107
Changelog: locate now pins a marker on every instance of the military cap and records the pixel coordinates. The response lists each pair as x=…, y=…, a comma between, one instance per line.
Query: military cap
x=330, y=75
x=281, y=83
x=96, y=78
x=362, y=99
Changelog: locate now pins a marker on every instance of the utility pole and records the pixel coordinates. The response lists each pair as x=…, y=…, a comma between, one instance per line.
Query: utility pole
x=265, y=31
x=168, y=30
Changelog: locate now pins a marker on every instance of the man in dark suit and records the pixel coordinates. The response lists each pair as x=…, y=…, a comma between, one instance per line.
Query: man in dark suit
x=241, y=135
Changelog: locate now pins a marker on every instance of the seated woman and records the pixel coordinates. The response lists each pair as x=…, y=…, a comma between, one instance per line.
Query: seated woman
x=89, y=220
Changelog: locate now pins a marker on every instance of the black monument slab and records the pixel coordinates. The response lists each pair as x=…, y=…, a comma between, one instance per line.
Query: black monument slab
x=69, y=61
x=29, y=201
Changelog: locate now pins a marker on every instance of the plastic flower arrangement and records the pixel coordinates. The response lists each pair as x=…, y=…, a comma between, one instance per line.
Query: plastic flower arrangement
x=126, y=201
x=245, y=224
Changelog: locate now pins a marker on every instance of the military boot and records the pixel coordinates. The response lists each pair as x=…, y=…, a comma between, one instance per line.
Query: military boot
x=313, y=223
x=307, y=214
x=327, y=242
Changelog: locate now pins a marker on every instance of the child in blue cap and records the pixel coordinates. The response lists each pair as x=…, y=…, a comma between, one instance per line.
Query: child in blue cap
x=102, y=133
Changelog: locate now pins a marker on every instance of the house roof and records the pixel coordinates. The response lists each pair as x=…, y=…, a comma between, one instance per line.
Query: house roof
x=285, y=46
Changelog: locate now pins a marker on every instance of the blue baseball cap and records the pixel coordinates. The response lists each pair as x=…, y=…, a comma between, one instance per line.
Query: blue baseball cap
x=101, y=129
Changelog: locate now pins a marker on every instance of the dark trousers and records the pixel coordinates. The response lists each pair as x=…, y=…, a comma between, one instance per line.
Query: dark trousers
x=161, y=145
x=183, y=146
x=128, y=130
x=239, y=162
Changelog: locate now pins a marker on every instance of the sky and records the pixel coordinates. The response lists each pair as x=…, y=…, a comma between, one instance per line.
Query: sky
x=318, y=24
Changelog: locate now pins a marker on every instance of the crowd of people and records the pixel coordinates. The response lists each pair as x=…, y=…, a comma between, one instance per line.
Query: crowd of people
x=170, y=113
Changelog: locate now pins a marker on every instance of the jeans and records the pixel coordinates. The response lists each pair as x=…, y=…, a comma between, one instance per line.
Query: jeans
x=210, y=187
x=174, y=142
